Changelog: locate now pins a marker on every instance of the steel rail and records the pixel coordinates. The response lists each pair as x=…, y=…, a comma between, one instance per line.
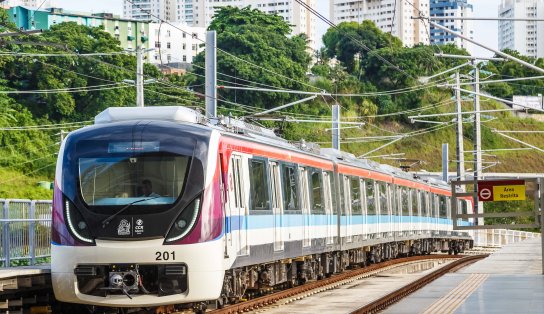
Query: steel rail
x=320, y=285
x=395, y=296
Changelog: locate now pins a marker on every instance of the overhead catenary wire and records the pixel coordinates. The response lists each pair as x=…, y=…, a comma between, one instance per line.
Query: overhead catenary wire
x=29, y=54
x=92, y=88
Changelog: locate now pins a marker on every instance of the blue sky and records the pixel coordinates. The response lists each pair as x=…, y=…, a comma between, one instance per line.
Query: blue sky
x=484, y=31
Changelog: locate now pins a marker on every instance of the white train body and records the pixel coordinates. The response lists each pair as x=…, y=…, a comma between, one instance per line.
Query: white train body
x=234, y=209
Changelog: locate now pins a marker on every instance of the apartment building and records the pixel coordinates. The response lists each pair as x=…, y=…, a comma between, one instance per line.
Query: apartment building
x=526, y=37
x=452, y=9
x=391, y=16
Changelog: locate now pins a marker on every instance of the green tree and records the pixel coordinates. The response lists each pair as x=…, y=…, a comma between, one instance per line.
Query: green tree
x=261, y=39
x=345, y=43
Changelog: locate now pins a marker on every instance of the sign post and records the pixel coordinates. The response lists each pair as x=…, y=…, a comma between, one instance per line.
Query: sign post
x=501, y=191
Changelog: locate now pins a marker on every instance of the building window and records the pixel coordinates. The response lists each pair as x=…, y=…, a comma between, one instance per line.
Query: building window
x=168, y=45
x=157, y=44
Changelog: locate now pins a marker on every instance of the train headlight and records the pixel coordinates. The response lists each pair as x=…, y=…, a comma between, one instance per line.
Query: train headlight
x=76, y=224
x=185, y=222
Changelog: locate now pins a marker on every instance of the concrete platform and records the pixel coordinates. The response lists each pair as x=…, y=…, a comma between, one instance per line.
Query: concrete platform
x=10, y=272
x=508, y=281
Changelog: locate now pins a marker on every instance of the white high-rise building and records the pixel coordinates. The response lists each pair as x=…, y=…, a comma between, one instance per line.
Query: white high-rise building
x=200, y=13
x=396, y=20
x=452, y=8
x=155, y=10
x=292, y=12
x=173, y=45
x=526, y=37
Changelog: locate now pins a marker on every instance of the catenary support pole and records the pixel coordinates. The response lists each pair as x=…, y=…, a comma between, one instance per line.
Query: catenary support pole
x=211, y=74
x=139, y=77
x=336, y=126
x=445, y=162
x=460, y=142
x=477, y=140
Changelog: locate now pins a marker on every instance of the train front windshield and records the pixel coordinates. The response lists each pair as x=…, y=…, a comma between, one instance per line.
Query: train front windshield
x=152, y=178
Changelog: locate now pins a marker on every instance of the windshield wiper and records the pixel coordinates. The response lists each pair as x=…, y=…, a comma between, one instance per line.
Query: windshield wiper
x=106, y=221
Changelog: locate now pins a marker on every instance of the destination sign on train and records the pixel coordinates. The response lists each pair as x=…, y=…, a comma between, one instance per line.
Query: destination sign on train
x=501, y=190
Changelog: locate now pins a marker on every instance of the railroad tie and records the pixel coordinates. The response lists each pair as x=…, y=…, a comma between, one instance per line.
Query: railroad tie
x=451, y=301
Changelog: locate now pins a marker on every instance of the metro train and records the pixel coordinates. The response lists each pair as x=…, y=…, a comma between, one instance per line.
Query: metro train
x=159, y=205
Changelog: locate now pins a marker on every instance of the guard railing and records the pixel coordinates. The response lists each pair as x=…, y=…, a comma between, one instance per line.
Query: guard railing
x=500, y=237
x=25, y=231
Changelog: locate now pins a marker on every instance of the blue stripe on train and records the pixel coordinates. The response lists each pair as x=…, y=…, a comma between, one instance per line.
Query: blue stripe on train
x=267, y=221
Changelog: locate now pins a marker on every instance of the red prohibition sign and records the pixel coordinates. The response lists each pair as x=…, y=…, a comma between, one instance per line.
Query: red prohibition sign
x=485, y=194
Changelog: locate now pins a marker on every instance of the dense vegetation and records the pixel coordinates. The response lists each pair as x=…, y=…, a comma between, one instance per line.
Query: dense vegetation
x=352, y=62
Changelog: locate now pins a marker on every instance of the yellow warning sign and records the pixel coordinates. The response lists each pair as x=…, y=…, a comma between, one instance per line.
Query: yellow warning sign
x=509, y=193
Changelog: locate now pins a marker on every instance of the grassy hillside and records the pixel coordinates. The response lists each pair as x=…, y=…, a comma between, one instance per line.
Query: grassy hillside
x=14, y=184
x=428, y=147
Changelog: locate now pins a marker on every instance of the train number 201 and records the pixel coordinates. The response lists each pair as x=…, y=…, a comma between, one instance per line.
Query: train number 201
x=165, y=256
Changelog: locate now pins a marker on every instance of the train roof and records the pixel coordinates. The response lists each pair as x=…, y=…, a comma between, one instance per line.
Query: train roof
x=242, y=129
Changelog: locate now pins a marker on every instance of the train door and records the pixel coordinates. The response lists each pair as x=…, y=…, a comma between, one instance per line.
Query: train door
x=277, y=211
x=391, y=199
x=327, y=189
x=305, y=202
x=396, y=209
x=429, y=218
x=347, y=207
x=238, y=209
x=413, y=210
x=364, y=210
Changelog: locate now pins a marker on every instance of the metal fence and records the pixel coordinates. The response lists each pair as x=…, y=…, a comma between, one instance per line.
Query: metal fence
x=25, y=235
x=500, y=237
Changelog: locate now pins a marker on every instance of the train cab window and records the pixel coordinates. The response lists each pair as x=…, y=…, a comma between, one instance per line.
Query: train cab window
x=442, y=207
x=331, y=177
x=404, y=201
x=370, y=198
x=259, y=186
x=415, y=209
x=355, y=195
x=289, y=180
x=316, y=193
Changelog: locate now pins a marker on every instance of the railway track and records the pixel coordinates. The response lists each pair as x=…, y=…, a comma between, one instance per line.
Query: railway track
x=311, y=288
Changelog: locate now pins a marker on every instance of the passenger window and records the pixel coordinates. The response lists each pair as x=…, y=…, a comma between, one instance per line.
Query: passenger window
x=415, y=194
x=424, y=205
x=463, y=209
x=333, y=192
x=370, y=199
x=405, y=201
x=317, y=192
x=290, y=196
x=442, y=207
x=259, y=186
x=343, y=209
x=355, y=196
x=384, y=206
x=236, y=173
